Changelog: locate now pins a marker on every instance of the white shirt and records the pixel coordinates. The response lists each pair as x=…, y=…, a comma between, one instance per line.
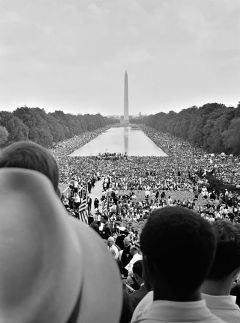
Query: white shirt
x=114, y=251
x=129, y=266
x=223, y=306
x=174, y=312
x=142, y=306
x=147, y=193
x=77, y=198
x=75, y=184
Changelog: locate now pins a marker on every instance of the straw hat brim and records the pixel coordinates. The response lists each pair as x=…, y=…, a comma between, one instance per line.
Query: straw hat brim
x=102, y=289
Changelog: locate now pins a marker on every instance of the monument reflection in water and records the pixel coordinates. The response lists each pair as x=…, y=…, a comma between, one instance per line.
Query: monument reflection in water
x=126, y=139
x=132, y=141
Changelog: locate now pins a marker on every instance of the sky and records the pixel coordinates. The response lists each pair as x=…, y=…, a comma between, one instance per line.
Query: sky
x=71, y=55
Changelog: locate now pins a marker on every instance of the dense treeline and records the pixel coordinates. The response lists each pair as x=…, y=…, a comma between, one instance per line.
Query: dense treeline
x=46, y=128
x=214, y=127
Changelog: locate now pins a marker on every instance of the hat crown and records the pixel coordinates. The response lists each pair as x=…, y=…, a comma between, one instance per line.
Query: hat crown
x=48, y=259
x=36, y=243
x=21, y=252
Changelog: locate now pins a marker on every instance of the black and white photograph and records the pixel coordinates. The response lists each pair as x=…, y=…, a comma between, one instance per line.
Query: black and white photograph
x=120, y=161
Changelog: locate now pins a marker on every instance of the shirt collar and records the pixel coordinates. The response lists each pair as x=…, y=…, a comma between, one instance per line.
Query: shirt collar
x=184, y=311
x=221, y=301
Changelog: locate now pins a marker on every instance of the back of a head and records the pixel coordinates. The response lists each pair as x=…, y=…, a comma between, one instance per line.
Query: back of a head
x=29, y=155
x=127, y=240
x=179, y=247
x=138, y=268
x=105, y=217
x=134, y=249
x=111, y=239
x=227, y=258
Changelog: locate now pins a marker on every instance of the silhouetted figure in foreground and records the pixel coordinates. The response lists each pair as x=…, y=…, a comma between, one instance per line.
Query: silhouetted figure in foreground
x=178, y=248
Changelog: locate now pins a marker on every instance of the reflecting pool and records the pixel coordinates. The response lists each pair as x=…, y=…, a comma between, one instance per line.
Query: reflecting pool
x=130, y=140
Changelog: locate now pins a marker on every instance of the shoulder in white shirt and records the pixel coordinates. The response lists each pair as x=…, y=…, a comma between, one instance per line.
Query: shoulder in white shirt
x=142, y=306
x=223, y=306
x=176, y=312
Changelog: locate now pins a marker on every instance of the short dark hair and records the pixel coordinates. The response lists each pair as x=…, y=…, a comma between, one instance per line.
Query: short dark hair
x=135, y=248
x=138, y=268
x=180, y=245
x=227, y=257
x=105, y=217
x=29, y=155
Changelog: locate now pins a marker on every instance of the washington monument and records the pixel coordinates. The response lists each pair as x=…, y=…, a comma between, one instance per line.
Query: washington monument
x=126, y=115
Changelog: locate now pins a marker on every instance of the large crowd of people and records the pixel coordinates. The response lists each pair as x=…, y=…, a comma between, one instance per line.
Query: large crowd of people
x=137, y=185
x=166, y=246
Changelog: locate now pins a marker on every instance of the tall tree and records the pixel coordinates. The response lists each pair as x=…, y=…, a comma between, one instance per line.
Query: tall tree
x=17, y=129
x=34, y=118
x=3, y=135
x=232, y=137
x=207, y=126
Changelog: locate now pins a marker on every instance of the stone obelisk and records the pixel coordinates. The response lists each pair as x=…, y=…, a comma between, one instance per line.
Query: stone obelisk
x=126, y=116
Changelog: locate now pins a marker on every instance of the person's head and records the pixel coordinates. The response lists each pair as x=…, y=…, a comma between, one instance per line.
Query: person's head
x=227, y=259
x=94, y=225
x=178, y=248
x=29, y=155
x=138, y=271
x=110, y=241
x=126, y=241
x=104, y=218
x=133, y=250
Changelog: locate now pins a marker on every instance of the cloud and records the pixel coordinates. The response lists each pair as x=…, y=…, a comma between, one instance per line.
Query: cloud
x=73, y=53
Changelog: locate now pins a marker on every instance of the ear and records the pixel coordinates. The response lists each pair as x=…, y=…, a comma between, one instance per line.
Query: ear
x=147, y=277
x=137, y=278
x=236, y=274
